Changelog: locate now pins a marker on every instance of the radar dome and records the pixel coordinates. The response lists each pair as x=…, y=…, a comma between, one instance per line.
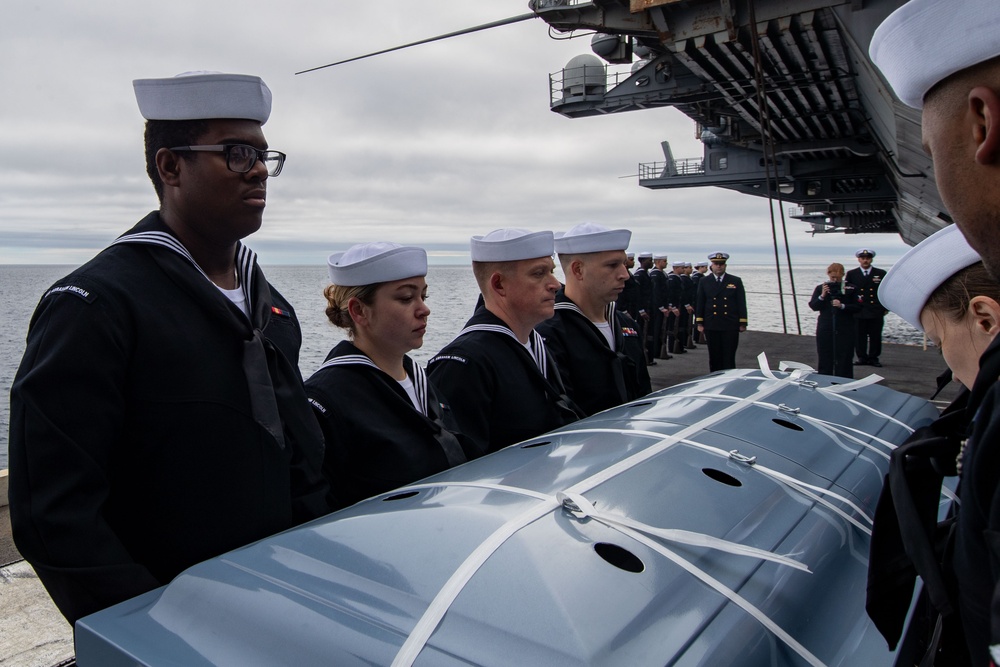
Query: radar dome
x=604, y=45
x=584, y=75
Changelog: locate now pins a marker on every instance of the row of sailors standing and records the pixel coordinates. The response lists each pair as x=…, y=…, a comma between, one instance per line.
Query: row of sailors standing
x=534, y=356
x=674, y=310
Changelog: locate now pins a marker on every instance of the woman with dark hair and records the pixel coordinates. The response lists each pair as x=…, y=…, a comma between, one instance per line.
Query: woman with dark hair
x=836, y=302
x=382, y=421
x=941, y=287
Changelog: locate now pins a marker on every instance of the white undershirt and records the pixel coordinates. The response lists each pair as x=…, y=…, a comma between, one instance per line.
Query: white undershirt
x=407, y=385
x=605, y=328
x=238, y=298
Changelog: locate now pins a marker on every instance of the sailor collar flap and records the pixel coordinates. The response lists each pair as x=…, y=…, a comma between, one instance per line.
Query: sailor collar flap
x=563, y=303
x=346, y=354
x=151, y=232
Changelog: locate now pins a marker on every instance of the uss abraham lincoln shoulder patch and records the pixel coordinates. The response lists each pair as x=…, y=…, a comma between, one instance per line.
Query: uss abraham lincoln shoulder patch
x=75, y=290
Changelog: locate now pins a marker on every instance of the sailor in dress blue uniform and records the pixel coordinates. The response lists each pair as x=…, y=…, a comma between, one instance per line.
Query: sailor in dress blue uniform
x=496, y=376
x=645, y=309
x=381, y=418
x=158, y=417
x=628, y=300
x=596, y=346
x=721, y=313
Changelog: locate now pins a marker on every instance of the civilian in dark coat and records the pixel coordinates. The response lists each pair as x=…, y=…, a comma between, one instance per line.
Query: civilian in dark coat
x=836, y=302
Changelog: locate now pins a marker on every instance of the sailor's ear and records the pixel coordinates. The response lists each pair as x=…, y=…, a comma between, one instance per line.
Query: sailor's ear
x=576, y=269
x=497, y=283
x=168, y=165
x=984, y=106
x=986, y=312
x=357, y=310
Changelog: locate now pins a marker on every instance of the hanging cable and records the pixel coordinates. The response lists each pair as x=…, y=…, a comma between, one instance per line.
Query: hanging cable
x=771, y=168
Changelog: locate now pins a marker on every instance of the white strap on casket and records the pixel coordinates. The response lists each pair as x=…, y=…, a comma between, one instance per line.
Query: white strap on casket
x=806, y=489
x=846, y=431
x=582, y=508
x=436, y=610
x=836, y=389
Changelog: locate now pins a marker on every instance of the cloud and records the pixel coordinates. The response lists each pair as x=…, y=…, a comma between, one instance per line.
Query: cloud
x=427, y=145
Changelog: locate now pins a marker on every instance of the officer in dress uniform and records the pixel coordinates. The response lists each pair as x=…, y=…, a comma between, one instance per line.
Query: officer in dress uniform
x=496, y=376
x=158, y=416
x=645, y=307
x=596, y=347
x=868, y=321
x=721, y=313
x=381, y=417
x=628, y=300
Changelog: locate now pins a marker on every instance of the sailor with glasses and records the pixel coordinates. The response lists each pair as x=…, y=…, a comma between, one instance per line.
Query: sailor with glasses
x=158, y=417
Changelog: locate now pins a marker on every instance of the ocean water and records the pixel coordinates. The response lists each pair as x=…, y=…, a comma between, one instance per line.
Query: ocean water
x=452, y=293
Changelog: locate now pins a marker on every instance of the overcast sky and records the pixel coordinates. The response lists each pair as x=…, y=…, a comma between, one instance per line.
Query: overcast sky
x=425, y=146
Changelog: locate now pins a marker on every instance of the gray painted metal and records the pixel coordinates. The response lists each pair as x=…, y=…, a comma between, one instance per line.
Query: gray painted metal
x=846, y=150
x=349, y=589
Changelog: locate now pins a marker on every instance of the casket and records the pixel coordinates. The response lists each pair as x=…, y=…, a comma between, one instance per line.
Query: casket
x=724, y=521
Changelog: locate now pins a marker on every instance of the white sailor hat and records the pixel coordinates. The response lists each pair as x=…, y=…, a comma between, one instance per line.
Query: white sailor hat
x=630, y=255
x=687, y=264
x=700, y=264
x=372, y=263
x=719, y=257
x=865, y=251
x=926, y=41
x=203, y=95
x=679, y=263
x=511, y=244
x=645, y=255
x=910, y=282
x=588, y=237
x=658, y=256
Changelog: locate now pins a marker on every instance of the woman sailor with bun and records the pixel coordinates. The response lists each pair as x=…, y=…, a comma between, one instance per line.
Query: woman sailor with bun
x=942, y=288
x=381, y=419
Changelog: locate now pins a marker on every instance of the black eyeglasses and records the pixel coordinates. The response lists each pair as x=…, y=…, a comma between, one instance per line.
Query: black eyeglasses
x=241, y=158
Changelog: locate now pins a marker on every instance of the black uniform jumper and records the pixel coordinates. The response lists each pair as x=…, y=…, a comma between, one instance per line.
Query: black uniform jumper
x=376, y=439
x=595, y=376
x=498, y=391
x=153, y=425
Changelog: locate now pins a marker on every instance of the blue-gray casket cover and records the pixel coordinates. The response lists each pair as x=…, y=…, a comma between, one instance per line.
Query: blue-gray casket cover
x=724, y=521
